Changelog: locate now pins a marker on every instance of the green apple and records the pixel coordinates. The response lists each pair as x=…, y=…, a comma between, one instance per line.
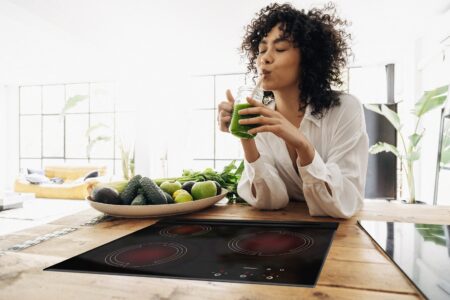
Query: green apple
x=170, y=186
x=203, y=189
x=183, y=197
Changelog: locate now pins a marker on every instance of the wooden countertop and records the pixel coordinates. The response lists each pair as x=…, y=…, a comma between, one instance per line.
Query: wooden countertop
x=355, y=267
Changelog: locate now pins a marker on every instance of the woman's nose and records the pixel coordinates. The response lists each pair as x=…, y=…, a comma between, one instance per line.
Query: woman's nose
x=266, y=58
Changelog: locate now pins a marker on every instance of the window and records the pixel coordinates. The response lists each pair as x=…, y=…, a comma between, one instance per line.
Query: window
x=209, y=92
x=77, y=124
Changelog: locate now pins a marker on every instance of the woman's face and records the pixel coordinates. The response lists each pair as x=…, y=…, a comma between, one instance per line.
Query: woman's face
x=278, y=61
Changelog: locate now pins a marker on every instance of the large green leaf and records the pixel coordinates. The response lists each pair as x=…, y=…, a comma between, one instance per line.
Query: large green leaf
x=72, y=102
x=392, y=116
x=388, y=113
x=101, y=138
x=431, y=100
x=413, y=155
x=374, y=108
x=445, y=152
x=94, y=128
x=383, y=147
x=414, y=139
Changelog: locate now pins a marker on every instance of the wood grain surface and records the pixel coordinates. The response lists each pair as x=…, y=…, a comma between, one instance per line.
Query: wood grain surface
x=355, y=268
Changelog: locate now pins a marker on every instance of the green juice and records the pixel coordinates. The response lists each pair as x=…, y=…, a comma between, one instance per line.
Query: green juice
x=240, y=130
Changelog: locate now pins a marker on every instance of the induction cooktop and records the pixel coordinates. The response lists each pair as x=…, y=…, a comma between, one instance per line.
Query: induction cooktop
x=264, y=252
x=421, y=251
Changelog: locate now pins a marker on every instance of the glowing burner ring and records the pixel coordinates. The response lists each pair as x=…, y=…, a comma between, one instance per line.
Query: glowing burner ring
x=185, y=230
x=144, y=255
x=271, y=243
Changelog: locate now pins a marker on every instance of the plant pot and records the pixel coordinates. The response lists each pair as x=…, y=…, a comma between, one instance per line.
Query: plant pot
x=417, y=202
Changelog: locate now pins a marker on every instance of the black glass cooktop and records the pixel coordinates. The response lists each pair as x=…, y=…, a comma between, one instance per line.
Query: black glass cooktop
x=421, y=251
x=284, y=253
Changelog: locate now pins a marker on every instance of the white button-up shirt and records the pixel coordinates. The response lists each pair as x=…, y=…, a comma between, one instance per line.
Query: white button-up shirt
x=340, y=160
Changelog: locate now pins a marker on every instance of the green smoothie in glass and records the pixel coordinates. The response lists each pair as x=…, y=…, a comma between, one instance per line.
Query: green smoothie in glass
x=237, y=129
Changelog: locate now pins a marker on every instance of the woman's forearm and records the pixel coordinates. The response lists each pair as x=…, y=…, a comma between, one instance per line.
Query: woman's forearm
x=305, y=151
x=250, y=150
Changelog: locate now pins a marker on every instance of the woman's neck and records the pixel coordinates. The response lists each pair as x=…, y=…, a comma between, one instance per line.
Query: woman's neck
x=287, y=103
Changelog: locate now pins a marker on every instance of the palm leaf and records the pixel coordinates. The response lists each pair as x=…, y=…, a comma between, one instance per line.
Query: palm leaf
x=413, y=155
x=95, y=127
x=72, y=102
x=384, y=147
x=431, y=100
x=101, y=138
x=388, y=113
x=445, y=152
x=414, y=139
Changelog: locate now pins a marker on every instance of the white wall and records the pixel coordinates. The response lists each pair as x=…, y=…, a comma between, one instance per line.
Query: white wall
x=151, y=47
x=3, y=141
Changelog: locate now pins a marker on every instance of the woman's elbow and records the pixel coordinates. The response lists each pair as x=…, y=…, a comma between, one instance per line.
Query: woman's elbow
x=271, y=203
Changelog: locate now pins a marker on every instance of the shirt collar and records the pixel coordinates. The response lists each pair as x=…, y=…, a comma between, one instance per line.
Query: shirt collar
x=310, y=117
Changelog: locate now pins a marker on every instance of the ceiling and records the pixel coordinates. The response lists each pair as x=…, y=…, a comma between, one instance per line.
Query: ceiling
x=202, y=35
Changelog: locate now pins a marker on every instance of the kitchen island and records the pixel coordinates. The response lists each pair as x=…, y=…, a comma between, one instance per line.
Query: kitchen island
x=356, y=268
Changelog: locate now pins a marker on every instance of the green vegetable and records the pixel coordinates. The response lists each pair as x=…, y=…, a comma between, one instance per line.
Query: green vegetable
x=152, y=192
x=131, y=191
x=228, y=179
x=139, y=200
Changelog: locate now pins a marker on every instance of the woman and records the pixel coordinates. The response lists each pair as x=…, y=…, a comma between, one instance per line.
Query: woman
x=311, y=142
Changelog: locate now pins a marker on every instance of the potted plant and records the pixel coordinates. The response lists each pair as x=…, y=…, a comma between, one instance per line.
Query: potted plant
x=93, y=137
x=409, y=149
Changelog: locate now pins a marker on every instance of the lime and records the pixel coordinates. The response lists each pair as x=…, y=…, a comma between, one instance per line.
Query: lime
x=177, y=192
x=170, y=186
x=204, y=189
x=183, y=197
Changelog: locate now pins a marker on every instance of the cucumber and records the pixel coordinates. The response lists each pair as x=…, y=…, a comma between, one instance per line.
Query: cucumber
x=131, y=190
x=139, y=200
x=153, y=194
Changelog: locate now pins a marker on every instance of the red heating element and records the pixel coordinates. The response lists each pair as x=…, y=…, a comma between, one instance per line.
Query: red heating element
x=271, y=243
x=145, y=255
x=185, y=230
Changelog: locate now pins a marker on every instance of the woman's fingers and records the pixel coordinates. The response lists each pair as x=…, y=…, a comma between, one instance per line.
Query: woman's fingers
x=265, y=128
x=254, y=102
x=224, y=115
x=259, y=120
x=258, y=110
x=230, y=97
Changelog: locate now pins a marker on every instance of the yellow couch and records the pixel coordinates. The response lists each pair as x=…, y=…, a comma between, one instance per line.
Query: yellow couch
x=73, y=187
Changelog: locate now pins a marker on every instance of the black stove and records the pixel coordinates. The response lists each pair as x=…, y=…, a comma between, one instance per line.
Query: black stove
x=283, y=253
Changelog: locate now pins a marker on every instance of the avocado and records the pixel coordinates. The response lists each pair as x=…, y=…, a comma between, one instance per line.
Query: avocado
x=187, y=186
x=169, y=198
x=106, y=195
x=219, y=188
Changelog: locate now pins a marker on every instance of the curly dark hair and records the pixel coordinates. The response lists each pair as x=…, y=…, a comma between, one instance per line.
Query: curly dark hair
x=323, y=42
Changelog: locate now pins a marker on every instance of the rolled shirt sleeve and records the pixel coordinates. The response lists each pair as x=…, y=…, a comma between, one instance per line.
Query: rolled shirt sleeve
x=344, y=172
x=271, y=192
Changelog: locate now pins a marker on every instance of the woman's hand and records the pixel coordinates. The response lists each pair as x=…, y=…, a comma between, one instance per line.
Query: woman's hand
x=225, y=111
x=271, y=121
